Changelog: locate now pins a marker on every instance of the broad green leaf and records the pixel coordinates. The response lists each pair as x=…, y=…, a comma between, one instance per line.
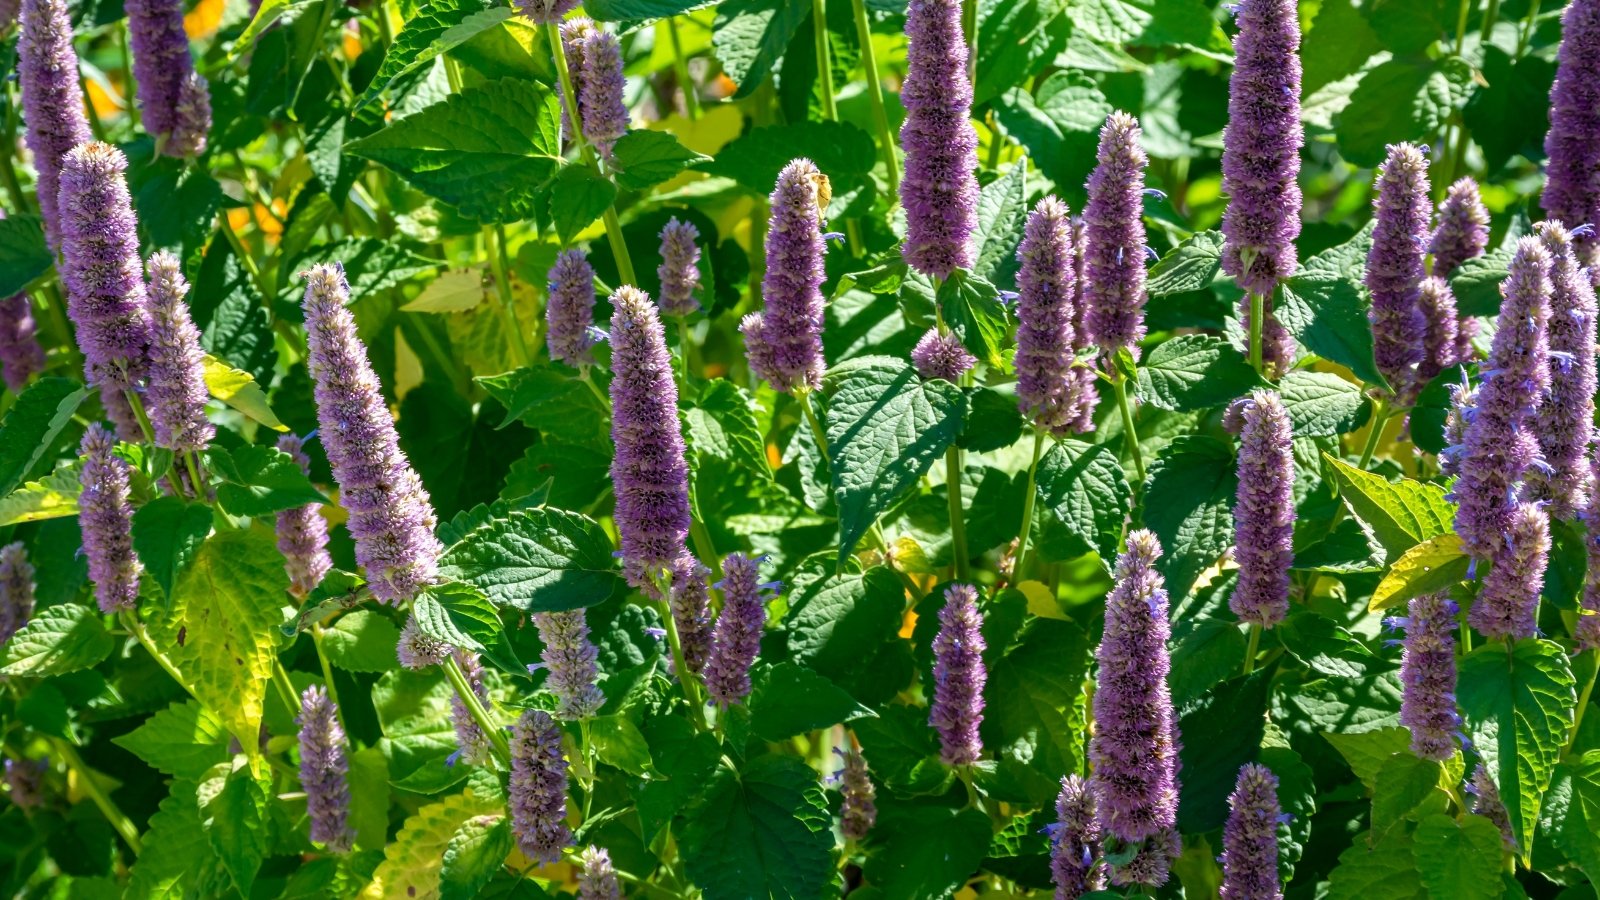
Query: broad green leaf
x=1403, y=783
x=32, y=425
x=1002, y=212
x=369, y=797
x=1221, y=731
x=258, y=480
x=541, y=560
x=23, y=254
x=1149, y=23
x=1517, y=707
x=370, y=265
x=238, y=389
x=1328, y=315
x=560, y=474
x=836, y=622
x=759, y=831
x=183, y=740
x=1459, y=859
x=1476, y=284
x=456, y=291
x=904, y=751
x=1188, y=504
x=885, y=428
x=51, y=497
x=618, y=742
x=176, y=203
x=414, y=859
x=1034, y=711
x=1401, y=513
x=926, y=852
x=577, y=198
x=840, y=150
x=630, y=10
x=1017, y=41
x=973, y=310
x=1321, y=404
x=362, y=641
x=461, y=616
x=1348, y=549
x=1577, y=829
x=1510, y=115
x=1401, y=100
x=438, y=27
x=787, y=700
x=176, y=849
x=749, y=36
x=236, y=820
x=1084, y=487
x=1194, y=371
x=643, y=159
x=1324, y=646
x=1381, y=870
x=542, y=397
x=1058, y=125
x=58, y=640
x=1191, y=266
x=475, y=853
x=490, y=150
x=722, y=425
x=1433, y=565
x=167, y=532
x=1368, y=751
x=1297, y=795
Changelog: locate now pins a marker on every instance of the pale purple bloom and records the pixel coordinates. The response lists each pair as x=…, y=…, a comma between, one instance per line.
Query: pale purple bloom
x=941, y=356
x=573, y=34
x=1441, y=344
x=569, y=658
x=597, y=877
x=1401, y=214
x=784, y=341
x=1250, y=839
x=191, y=119
x=1058, y=396
x=1263, y=516
x=16, y=590
x=958, y=677
x=538, y=787
x=21, y=357
x=1075, y=842
x=1463, y=229
x=324, y=770
x=302, y=532
x=1152, y=860
x=737, y=637
x=1463, y=406
x=680, y=268
x=25, y=781
x=417, y=650
x=176, y=396
x=857, y=812
x=1508, y=603
x=1566, y=417
x=598, y=83
x=569, y=313
x=1114, y=239
x=1486, y=802
x=165, y=73
x=1428, y=676
x=1572, y=146
x=689, y=601
x=940, y=189
x=52, y=102
x=106, y=520
x=545, y=12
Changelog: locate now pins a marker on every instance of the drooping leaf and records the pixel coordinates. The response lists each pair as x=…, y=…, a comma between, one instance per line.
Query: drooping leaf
x=183, y=740
x=1084, y=488
x=258, y=480
x=238, y=389
x=786, y=700
x=23, y=254
x=32, y=425
x=414, y=860
x=1194, y=371
x=1433, y=565
x=1402, y=513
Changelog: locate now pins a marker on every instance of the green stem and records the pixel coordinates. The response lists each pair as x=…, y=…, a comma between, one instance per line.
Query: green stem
x=322, y=660
x=684, y=347
x=500, y=264
x=138, y=413
x=1461, y=24
x=285, y=687
x=245, y=259
x=969, y=29
x=474, y=704
x=819, y=23
x=1490, y=17
x=1379, y=420
x=880, y=113
x=108, y=807
x=1130, y=436
x=816, y=426
x=588, y=379
x=691, y=686
x=1258, y=315
x=1526, y=35
x=191, y=461
x=1027, y=509
x=1252, y=648
x=680, y=63
x=1583, y=703
x=958, y=527
x=619, y=247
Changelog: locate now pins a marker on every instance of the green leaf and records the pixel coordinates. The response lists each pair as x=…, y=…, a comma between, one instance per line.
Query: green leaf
x=760, y=831
x=1476, y=283
x=542, y=397
x=750, y=35
x=1297, y=795
x=1321, y=404
x=167, y=532
x=1188, y=504
x=1324, y=646
x=238, y=389
x=489, y=150
x=973, y=310
x=176, y=203
x=1149, y=23
x=836, y=622
x=475, y=853
x=537, y=560
x=437, y=27
x=904, y=751
x=1381, y=870
x=1017, y=41
x=1034, y=713
x=1221, y=731
x=1511, y=114
x=1401, y=100
x=183, y=740
x=1401, y=513
x=633, y=10
x=786, y=700
x=619, y=743
x=926, y=851
x=1403, y=783
x=31, y=427
x=236, y=821
x=643, y=159
x=461, y=616
x=1517, y=709
x=722, y=425
x=51, y=497
x=413, y=862
x=1059, y=125
x=1368, y=751
x=1459, y=859
x=1002, y=213
x=23, y=254
x=1433, y=565
x=1084, y=488
x=1577, y=829
x=58, y=640
x=577, y=198
x=258, y=480
x=1328, y=315
x=176, y=849
x=561, y=474
x=885, y=428
x=1194, y=371
x=362, y=641
x=754, y=159
x=455, y=291
x=1191, y=266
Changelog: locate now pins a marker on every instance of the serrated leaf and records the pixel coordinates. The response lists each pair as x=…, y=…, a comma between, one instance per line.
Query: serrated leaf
x=1324, y=646
x=618, y=742
x=475, y=853
x=167, y=532
x=1433, y=565
x=926, y=852
x=1084, y=488
x=238, y=389
x=461, y=616
x=23, y=253
x=973, y=310
x=1401, y=100
x=413, y=861
x=183, y=740
x=643, y=159
x=32, y=425
x=1326, y=313
x=362, y=641
x=58, y=640
x=835, y=622
x=1321, y=404
x=1059, y=124
x=1194, y=371
x=1403, y=783
x=1002, y=212
x=236, y=822
x=632, y=10
x=787, y=700
x=750, y=35
x=437, y=27
x=1188, y=504
x=455, y=291
x=1577, y=831
x=1401, y=513
x=1297, y=795
x=1459, y=859
x=760, y=831
x=176, y=849
x=51, y=497
x=722, y=425
x=544, y=398
x=578, y=196
x=1381, y=871
x=1368, y=751
x=754, y=159
x=258, y=480
x=1034, y=711
x=1191, y=266
x=540, y=560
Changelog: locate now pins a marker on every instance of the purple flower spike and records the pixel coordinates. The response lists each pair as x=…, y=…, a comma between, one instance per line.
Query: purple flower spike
x=1152, y=861
x=302, y=532
x=1441, y=338
x=1261, y=152
x=784, y=341
x=1587, y=633
x=1500, y=442
x=958, y=677
x=1572, y=145
x=573, y=34
x=120, y=412
x=569, y=657
x=324, y=770
x=106, y=520
x=1566, y=418
x=680, y=268
x=598, y=878
x=690, y=605
x=545, y=12
x=940, y=188
x=1463, y=406
x=164, y=73
x=177, y=393
x=737, y=638
x=858, y=812
x=1463, y=231
x=538, y=788
x=100, y=265
x=1394, y=266
x=391, y=516
x=1134, y=749
x=472, y=745
x=1508, y=603
x=21, y=357
x=1486, y=802
x=569, y=314
x=25, y=781
x=1263, y=518
x=417, y=650
x=16, y=590
x=1050, y=390
x=192, y=120
x=941, y=356
x=1428, y=676
x=648, y=472
x=52, y=103
x=1250, y=839
x=1076, y=842
x=598, y=83
x=1114, y=239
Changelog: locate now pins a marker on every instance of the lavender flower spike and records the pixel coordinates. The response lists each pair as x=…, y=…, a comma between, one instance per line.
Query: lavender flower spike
x=599, y=84
x=737, y=637
x=1441, y=344
x=100, y=265
x=416, y=650
x=941, y=356
x=857, y=813
x=958, y=677
x=1428, y=676
x=163, y=69
x=1508, y=603
x=52, y=104
x=1572, y=145
x=784, y=341
x=598, y=878
x=324, y=770
x=1500, y=442
x=1250, y=840
x=1486, y=802
x=940, y=188
x=648, y=472
x=16, y=590
x=1049, y=389
x=21, y=357
x=1587, y=633
x=569, y=658
x=106, y=520
x=1076, y=842
x=1463, y=229
x=569, y=314
x=546, y=12
x=1134, y=749
x=1566, y=418
x=177, y=392
x=1394, y=265
x=1114, y=238
x=1263, y=518
x=1463, y=406
x=472, y=745
x=690, y=606
x=391, y=517
x=302, y=532
x=191, y=119
x=680, y=268
x=538, y=787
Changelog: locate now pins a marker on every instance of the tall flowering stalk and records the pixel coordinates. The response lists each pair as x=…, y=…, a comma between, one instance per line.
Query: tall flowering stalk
x=1463, y=407
x=52, y=105
x=16, y=590
x=1075, y=842
x=597, y=879
x=173, y=100
x=1565, y=422
x=1263, y=518
x=1056, y=395
x=1401, y=215
x=21, y=357
x=784, y=341
x=1441, y=336
x=1114, y=239
x=391, y=516
x=324, y=770
x=737, y=638
x=569, y=314
x=1462, y=232
x=1508, y=603
x=1134, y=749
x=1261, y=167
x=958, y=677
x=538, y=787
x=1428, y=675
x=302, y=532
x=1572, y=145
x=177, y=393
x=1250, y=839
x=857, y=812
x=1500, y=444
x=569, y=658
x=106, y=519
x=596, y=58
x=1587, y=632
x=940, y=187
x=680, y=268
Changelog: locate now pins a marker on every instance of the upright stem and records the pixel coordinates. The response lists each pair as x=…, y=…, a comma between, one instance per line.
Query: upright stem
x=969, y=28
x=684, y=347
x=469, y=697
x=691, y=685
x=958, y=528
x=280, y=678
x=1379, y=420
x=816, y=426
x=1251, y=649
x=680, y=64
x=1526, y=34
x=1583, y=703
x=1027, y=509
x=108, y=807
x=138, y=413
x=322, y=659
x=499, y=261
x=1258, y=313
x=880, y=113
x=1461, y=24
x=819, y=22
x=1130, y=436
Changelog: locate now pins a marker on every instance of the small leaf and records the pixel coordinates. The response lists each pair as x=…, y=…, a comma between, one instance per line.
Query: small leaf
x=578, y=197
x=1381, y=870
x=643, y=159
x=59, y=639
x=475, y=853
x=183, y=740
x=542, y=560
x=461, y=616
x=30, y=429
x=1191, y=266
x=238, y=389
x=362, y=641
x=258, y=480
x=1431, y=566
x=454, y=291
x=1002, y=213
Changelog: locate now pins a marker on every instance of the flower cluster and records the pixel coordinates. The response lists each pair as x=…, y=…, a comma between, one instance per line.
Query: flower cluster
x=106, y=519
x=1401, y=215
x=302, y=532
x=1263, y=518
x=1250, y=840
x=941, y=356
x=174, y=101
x=569, y=659
x=16, y=590
x=737, y=637
x=1114, y=239
x=21, y=357
x=569, y=314
x=538, y=787
x=1571, y=195
x=52, y=105
x=680, y=268
x=1075, y=842
x=1058, y=396
x=1565, y=421
x=784, y=341
x=958, y=677
x=177, y=393
x=940, y=188
x=1428, y=676
x=324, y=770
x=857, y=812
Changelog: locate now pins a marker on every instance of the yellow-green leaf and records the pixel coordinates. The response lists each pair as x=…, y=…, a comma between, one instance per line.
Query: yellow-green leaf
x=1430, y=566
x=51, y=497
x=412, y=861
x=456, y=291
x=238, y=389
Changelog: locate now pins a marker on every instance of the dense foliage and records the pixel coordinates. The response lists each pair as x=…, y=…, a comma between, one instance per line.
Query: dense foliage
x=675, y=448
